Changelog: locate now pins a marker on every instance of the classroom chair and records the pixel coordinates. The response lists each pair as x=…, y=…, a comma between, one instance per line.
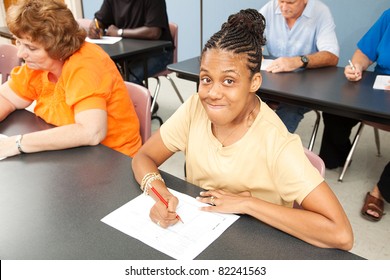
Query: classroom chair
x=174, y=32
x=359, y=131
x=84, y=23
x=274, y=105
x=142, y=102
x=317, y=162
x=8, y=60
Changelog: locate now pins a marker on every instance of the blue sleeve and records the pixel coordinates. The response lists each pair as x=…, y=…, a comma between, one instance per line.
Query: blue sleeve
x=369, y=43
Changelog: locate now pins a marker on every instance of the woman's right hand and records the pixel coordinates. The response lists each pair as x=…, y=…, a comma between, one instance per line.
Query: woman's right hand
x=353, y=74
x=162, y=215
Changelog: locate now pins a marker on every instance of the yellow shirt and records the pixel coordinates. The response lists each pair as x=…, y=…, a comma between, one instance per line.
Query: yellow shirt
x=89, y=80
x=268, y=161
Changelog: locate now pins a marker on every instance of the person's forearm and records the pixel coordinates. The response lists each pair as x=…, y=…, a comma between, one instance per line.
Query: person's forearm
x=360, y=59
x=306, y=225
x=144, y=32
x=58, y=138
x=322, y=59
x=6, y=108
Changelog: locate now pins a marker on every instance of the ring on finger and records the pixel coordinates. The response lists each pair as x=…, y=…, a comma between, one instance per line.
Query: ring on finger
x=158, y=223
x=212, y=200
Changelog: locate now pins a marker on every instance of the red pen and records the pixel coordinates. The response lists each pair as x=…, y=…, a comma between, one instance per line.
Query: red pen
x=164, y=201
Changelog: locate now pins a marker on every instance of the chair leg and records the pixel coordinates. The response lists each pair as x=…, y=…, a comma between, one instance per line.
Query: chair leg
x=155, y=117
x=377, y=141
x=175, y=88
x=315, y=130
x=155, y=95
x=349, y=157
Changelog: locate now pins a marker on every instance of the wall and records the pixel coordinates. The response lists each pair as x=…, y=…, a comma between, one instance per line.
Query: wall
x=352, y=19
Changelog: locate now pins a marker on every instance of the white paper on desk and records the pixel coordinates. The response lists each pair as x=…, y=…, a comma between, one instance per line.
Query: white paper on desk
x=183, y=241
x=265, y=62
x=381, y=81
x=107, y=40
x=3, y=136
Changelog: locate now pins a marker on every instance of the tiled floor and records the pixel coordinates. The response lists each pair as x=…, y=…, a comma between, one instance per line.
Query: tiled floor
x=372, y=240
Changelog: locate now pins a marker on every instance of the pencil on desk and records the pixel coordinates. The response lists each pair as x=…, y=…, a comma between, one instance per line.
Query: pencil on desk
x=164, y=201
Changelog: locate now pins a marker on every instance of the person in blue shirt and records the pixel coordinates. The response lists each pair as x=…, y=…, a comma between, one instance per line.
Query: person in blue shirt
x=373, y=47
x=300, y=34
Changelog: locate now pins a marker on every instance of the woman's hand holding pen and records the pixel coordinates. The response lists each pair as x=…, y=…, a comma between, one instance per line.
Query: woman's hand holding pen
x=353, y=72
x=161, y=214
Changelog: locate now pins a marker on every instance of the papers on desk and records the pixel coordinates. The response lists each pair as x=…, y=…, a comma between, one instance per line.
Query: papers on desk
x=381, y=81
x=108, y=40
x=183, y=241
x=265, y=62
x=2, y=136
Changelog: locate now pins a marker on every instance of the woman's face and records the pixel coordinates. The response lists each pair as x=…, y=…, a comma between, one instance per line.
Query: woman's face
x=226, y=89
x=35, y=56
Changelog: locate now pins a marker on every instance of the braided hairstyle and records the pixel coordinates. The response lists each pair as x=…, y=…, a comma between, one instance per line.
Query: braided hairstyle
x=242, y=33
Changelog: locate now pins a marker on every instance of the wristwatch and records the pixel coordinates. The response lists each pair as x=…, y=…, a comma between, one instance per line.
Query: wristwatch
x=305, y=61
x=120, y=32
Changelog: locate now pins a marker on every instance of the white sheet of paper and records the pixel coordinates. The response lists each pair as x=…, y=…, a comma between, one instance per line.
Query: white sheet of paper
x=108, y=40
x=2, y=136
x=381, y=81
x=182, y=241
x=265, y=62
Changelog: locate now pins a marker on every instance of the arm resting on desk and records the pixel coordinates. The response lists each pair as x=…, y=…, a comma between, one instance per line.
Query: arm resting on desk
x=322, y=223
x=316, y=60
x=9, y=101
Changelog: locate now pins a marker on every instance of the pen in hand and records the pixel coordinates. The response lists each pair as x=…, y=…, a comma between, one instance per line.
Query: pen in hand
x=97, y=27
x=164, y=201
x=352, y=67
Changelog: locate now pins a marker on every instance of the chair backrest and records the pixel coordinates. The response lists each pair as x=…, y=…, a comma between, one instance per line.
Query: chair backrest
x=84, y=23
x=142, y=101
x=8, y=60
x=174, y=28
x=316, y=161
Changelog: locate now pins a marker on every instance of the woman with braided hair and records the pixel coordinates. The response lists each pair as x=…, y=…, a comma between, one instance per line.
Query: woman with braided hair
x=238, y=150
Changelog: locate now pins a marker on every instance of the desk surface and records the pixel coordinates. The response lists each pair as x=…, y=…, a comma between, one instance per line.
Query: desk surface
x=51, y=204
x=126, y=48
x=324, y=89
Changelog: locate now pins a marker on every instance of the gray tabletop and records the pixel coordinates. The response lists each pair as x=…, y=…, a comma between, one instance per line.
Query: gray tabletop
x=324, y=89
x=51, y=204
x=130, y=48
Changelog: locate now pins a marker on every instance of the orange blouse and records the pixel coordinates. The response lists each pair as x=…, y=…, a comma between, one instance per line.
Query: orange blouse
x=89, y=80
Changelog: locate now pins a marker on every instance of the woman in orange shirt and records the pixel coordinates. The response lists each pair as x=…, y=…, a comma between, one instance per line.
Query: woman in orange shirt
x=75, y=84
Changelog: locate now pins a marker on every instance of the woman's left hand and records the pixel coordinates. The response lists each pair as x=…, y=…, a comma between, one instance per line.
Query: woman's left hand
x=223, y=201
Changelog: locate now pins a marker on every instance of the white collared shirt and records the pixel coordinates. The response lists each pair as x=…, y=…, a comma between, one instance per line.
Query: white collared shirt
x=313, y=31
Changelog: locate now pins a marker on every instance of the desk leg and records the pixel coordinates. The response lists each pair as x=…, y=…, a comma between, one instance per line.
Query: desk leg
x=122, y=67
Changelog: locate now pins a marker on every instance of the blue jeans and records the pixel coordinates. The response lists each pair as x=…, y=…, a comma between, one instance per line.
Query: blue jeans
x=156, y=64
x=291, y=115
